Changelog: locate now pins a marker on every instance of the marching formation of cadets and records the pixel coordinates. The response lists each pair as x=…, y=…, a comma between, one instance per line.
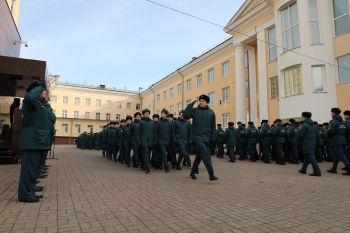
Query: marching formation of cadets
x=131, y=141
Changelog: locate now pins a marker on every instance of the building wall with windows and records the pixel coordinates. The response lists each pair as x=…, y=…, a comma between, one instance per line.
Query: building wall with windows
x=80, y=108
x=8, y=29
x=212, y=73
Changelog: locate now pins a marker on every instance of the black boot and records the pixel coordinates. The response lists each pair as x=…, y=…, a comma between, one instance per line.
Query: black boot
x=213, y=178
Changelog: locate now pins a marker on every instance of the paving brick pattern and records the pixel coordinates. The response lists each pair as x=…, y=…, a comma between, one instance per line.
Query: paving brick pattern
x=86, y=193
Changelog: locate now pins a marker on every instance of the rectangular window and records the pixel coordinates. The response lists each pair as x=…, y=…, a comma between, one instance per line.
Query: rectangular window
x=179, y=89
x=314, y=22
x=98, y=116
x=64, y=113
x=90, y=128
x=274, y=91
x=65, y=99
x=77, y=128
x=64, y=128
x=76, y=114
x=108, y=116
x=87, y=115
x=76, y=101
x=290, y=27
x=199, y=80
x=109, y=103
x=225, y=69
x=119, y=105
x=179, y=107
x=341, y=17
x=53, y=99
x=164, y=95
x=171, y=109
x=212, y=98
x=246, y=59
x=272, y=44
x=98, y=103
x=226, y=95
x=211, y=75
x=344, y=68
x=171, y=92
x=318, y=78
x=225, y=120
x=292, y=81
x=117, y=117
x=128, y=105
x=188, y=84
x=158, y=98
x=138, y=106
x=88, y=102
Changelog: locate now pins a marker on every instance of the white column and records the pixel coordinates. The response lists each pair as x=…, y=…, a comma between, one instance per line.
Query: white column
x=253, y=111
x=240, y=87
x=263, y=89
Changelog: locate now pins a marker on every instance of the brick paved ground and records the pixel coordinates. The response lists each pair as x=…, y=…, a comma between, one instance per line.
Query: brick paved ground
x=86, y=193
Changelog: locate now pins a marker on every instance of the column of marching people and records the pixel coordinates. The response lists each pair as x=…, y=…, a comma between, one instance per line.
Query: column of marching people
x=143, y=142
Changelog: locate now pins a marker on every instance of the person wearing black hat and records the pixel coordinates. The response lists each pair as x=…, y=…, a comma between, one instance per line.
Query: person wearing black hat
x=183, y=139
x=265, y=138
x=230, y=139
x=219, y=141
x=115, y=133
x=147, y=139
x=34, y=140
x=338, y=131
x=279, y=134
x=110, y=140
x=155, y=159
x=292, y=136
x=328, y=143
x=165, y=136
x=252, y=139
x=203, y=133
x=308, y=135
x=103, y=140
x=172, y=145
x=242, y=141
x=347, y=122
x=126, y=137
x=135, y=140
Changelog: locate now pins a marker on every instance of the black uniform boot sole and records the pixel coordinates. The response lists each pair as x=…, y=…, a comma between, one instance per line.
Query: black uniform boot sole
x=332, y=171
x=314, y=174
x=193, y=176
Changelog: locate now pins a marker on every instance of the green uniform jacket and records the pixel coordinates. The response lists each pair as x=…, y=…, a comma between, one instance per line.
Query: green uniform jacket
x=338, y=130
x=219, y=136
x=265, y=136
x=135, y=133
x=35, y=134
x=252, y=135
x=292, y=134
x=203, y=123
x=347, y=123
x=242, y=136
x=147, y=132
x=182, y=131
x=279, y=134
x=231, y=136
x=308, y=136
x=165, y=131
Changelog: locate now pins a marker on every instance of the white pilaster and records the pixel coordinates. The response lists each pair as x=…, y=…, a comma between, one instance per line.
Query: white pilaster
x=263, y=88
x=240, y=87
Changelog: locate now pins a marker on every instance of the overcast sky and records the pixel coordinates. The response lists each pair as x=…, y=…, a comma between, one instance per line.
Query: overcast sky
x=119, y=43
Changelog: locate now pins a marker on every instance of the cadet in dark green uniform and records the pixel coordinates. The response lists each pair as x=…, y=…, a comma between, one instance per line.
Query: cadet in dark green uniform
x=279, y=134
x=146, y=136
x=135, y=140
x=308, y=136
x=117, y=141
x=203, y=132
x=265, y=138
x=338, y=131
x=172, y=144
x=127, y=146
x=34, y=140
x=165, y=135
x=230, y=139
x=121, y=157
x=104, y=140
x=347, y=122
x=252, y=139
x=328, y=143
x=219, y=141
x=183, y=138
x=155, y=160
x=242, y=141
x=292, y=136
x=110, y=140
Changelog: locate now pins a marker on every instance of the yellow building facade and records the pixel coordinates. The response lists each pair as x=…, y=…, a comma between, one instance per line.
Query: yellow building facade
x=82, y=108
x=284, y=57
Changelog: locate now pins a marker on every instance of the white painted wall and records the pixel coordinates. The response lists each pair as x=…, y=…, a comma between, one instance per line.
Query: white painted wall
x=317, y=103
x=8, y=33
